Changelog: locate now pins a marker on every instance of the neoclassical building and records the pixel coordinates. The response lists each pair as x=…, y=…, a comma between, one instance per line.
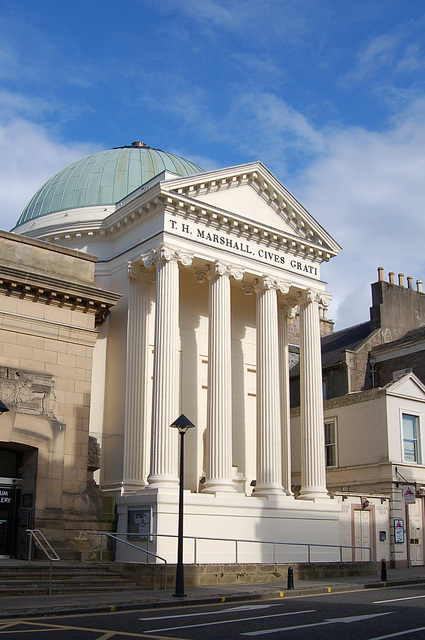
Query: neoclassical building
x=211, y=267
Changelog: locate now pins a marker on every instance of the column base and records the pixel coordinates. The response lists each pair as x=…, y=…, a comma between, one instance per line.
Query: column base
x=315, y=494
x=162, y=481
x=130, y=486
x=268, y=489
x=218, y=485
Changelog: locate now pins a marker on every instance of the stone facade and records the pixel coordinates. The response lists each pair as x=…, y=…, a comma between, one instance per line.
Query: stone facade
x=49, y=313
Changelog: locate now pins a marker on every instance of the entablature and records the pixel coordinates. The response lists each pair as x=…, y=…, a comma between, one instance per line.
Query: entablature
x=53, y=291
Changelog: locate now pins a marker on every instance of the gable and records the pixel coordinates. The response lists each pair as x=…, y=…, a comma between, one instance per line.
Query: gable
x=253, y=196
x=246, y=203
x=408, y=386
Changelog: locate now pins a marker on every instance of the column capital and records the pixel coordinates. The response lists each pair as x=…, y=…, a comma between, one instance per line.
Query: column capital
x=266, y=283
x=136, y=271
x=308, y=296
x=288, y=308
x=219, y=269
x=325, y=299
x=287, y=311
x=165, y=253
x=312, y=295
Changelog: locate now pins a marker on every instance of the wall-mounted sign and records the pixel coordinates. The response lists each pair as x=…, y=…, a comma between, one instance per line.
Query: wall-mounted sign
x=140, y=522
x=399, y=530
x=409, y=493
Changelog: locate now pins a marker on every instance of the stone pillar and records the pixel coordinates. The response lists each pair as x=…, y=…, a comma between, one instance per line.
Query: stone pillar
x=219, y=431
x=137, y=399
x=286, y=312
x=269, y=436
x=165, y=401
x=313, y=469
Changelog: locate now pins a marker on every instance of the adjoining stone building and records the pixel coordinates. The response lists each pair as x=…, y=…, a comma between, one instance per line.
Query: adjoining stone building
x=211, y=267
x=50, y=310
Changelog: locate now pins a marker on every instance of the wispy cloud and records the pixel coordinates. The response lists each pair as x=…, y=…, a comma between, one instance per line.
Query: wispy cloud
x=367, y=190
x=30, y=155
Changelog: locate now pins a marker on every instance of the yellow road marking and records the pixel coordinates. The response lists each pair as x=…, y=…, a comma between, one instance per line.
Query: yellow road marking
x=28, y=630
x=107, y=633
x=6, y=625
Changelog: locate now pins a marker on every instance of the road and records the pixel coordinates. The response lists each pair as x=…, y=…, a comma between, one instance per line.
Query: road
x=365, y=615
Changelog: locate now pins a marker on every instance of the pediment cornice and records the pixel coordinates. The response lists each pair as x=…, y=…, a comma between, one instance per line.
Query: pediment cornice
x=302, y=225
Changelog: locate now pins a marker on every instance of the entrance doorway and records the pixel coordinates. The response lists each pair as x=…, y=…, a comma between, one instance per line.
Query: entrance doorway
x=416, y=545
x=362, y=536
x=9, y=498
x=18, y=464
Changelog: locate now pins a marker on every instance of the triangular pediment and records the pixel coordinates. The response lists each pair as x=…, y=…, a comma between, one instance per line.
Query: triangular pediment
x=252, y=195
x=408, y=386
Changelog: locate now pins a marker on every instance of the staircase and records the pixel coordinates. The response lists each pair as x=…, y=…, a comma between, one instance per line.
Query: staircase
x=24, y=579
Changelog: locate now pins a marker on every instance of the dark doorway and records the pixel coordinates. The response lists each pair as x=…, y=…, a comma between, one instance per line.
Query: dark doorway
x=18, y=464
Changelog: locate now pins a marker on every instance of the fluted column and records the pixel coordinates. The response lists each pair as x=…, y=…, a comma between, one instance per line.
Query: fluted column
x=137, y=401
x=286, y=312
x=269, y=442
x=313, y=469
x=165, y=400
x=219, y=426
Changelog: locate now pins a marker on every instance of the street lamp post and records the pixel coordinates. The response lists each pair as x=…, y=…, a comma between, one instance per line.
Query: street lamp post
x=182, y=424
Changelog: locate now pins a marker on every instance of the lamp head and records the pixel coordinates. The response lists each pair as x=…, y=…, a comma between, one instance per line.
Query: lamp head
x=3, y=408
x=182, y=424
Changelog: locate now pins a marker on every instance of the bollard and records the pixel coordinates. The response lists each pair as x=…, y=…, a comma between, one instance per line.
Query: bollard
x=290, y=578
x=383, y=571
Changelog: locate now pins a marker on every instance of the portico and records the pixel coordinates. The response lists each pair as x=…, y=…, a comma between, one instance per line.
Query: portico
x=148, y=418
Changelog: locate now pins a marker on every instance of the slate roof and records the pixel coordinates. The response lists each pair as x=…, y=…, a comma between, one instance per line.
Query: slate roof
x=334, y=344
x=410, y=337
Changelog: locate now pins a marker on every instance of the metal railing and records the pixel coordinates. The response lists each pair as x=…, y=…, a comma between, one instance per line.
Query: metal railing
x=112, y=536
x=35, y=535
x=308, y=546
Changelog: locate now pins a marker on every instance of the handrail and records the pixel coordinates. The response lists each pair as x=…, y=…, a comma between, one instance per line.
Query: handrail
x=115, y=537
x=46, y=547
x=309, y=545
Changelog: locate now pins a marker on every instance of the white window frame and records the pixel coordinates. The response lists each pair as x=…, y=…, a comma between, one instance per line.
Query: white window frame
x=332, y=445
x=416, y=440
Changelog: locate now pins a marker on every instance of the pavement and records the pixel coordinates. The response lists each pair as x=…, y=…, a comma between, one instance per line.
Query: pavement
x=32, y=606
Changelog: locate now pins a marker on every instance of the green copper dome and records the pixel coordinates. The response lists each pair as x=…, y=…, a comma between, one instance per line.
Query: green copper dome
x=103, y=179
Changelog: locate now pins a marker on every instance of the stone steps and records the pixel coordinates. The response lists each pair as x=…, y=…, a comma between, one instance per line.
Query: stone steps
x=34, y=580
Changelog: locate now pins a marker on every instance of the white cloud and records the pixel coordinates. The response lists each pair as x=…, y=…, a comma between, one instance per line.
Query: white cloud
x=29, y=156
x=368, y=191
x=380, y=52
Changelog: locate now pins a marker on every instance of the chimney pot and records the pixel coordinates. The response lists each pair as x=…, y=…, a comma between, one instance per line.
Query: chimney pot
x=391, y=277
x=380, y=274
x=401, y=279
x=419, y=286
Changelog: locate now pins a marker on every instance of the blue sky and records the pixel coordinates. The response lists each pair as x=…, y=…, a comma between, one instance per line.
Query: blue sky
x=328, y=94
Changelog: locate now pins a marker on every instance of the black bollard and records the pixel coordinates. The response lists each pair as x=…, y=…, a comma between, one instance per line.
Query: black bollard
x=383, y=571
x=290, y=578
